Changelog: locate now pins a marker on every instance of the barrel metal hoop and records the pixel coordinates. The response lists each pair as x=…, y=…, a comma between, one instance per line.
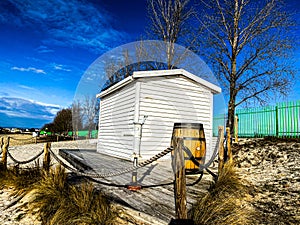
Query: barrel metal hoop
x=193, y=139
x=188, y=126
x=190, y=158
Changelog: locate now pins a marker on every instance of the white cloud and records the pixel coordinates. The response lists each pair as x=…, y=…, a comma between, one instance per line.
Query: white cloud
x=61, y=67
x=26, y=87
x=29, y=69
x=42, y=94
x=44, y=104
x=44, y=49
x=26, y=108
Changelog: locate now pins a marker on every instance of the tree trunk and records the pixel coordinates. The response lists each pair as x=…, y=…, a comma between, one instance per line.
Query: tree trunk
x=233, y=75
x=231, y=112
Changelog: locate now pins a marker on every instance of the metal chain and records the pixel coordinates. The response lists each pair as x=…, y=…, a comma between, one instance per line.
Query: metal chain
x=103, y=175
x=27, y=161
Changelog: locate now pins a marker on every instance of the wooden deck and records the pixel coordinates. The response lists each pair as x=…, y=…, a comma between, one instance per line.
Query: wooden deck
x=156, y=198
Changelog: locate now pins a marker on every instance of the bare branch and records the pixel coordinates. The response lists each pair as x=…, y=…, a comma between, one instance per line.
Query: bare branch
x=247, y=43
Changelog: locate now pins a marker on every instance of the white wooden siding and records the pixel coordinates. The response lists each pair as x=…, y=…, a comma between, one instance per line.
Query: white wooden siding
x=167, y=101
x=116, y=122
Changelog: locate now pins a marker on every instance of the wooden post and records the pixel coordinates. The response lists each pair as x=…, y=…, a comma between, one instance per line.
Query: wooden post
x=221, y=149
x=1, y=143
x=229, y=152
x=46, y=161
x=4, y=154
x=180, y=183
x=35, y=140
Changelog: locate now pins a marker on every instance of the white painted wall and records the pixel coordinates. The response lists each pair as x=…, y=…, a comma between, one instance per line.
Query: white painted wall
x=115, y=135
x=169, y=100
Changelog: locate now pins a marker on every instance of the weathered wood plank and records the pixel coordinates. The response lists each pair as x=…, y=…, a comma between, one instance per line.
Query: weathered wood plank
x=180, y=180
x=156, y=201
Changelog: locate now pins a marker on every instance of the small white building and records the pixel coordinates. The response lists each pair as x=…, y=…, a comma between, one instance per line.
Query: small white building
x=138, y=113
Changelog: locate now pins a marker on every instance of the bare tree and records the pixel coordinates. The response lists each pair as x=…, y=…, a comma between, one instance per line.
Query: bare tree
x=119, y=68
x=249, y=45
x=77, y=116
x=169, y=22
x=90, y=108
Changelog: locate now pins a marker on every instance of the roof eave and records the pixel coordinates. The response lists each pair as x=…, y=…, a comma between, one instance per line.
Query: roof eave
x=141, y=74
x=115, y=87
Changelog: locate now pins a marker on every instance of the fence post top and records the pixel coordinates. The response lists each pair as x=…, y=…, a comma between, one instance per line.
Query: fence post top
x=221, y=128
x=47, y=145
x=6, y=143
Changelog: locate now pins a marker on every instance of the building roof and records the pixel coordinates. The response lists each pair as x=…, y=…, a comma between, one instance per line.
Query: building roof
x=160, y=73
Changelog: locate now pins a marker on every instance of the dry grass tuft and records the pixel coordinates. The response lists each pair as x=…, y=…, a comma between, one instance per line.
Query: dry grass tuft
x=49, y=194
x=58, y=202
x=225, y=203
x=229, y=182
x=54, y=200
x=86, y=205
x=21, y=180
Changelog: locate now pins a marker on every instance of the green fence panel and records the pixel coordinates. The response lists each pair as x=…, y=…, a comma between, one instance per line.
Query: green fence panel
x=281, y=120
x=84, y=133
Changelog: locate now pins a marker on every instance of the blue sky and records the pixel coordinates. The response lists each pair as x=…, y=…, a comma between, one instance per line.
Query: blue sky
x=46, y=46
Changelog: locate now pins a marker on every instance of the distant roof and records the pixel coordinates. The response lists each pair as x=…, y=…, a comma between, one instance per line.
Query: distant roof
x=160, y=73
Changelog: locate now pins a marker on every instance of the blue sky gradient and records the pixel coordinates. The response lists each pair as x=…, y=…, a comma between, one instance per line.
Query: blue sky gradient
x=47, y=45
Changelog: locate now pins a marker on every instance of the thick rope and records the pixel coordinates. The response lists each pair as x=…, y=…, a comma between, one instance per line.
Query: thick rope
x=117, y=173
x=214, y=155
x=215, y=152
x=26, y=161
x=65, y=165
x=93, y=176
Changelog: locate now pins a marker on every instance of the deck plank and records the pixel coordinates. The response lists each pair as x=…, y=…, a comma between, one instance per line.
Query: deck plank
x=155, y=201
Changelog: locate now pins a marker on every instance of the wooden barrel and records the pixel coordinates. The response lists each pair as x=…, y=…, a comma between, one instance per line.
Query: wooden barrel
x=194, y=141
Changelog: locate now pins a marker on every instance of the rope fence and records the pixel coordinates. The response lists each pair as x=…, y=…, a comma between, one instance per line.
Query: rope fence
x=34, y=139
x=26, y=161
x=48, y=152
x=23, y=141
x=109, y=174
x=178, y=164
